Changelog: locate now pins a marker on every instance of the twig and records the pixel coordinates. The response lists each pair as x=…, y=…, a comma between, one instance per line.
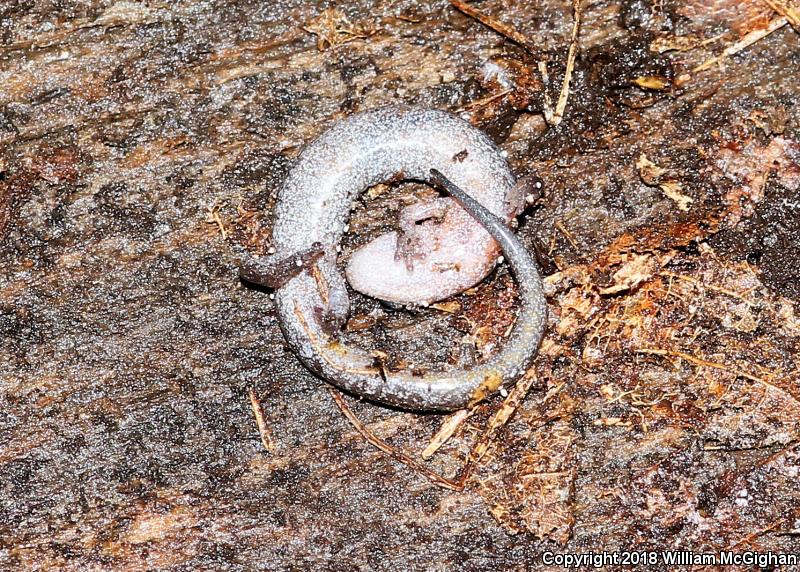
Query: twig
x=568, y=235
x=681, y=43
x=212, y=217
x=399, y=456
x=745, y=42
x=484, y=100
x=721, y=366
x=786, y=10
x=450, y=425
x=506, y=30
x=513, y=401
x=499, y=419
x=700, y=285
x=548, y=103
x=750, y=537
x=554, y=119
x=263, y=430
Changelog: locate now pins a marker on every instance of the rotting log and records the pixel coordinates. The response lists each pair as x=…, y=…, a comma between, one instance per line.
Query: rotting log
x=141, y=146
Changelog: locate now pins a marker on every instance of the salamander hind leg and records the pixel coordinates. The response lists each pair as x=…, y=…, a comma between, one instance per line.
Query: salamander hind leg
x=333, y=291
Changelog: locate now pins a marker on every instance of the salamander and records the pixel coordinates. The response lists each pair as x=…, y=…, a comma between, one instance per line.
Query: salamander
x=454, y=247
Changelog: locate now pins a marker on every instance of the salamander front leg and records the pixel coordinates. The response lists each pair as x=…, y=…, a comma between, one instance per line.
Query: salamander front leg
x=276, y=270
x=411, y=243
x=319, y=263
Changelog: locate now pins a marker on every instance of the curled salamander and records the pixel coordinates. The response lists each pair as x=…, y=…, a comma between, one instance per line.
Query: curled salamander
x=423, y=263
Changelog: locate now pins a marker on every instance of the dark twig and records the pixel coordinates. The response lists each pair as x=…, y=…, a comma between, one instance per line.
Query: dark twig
x=501, y=28
x=397, y=455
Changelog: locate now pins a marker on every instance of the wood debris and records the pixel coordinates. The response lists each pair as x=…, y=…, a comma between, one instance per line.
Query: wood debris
x=652, y=175
x=261, y=424
x=747, y=41
x=333, y=28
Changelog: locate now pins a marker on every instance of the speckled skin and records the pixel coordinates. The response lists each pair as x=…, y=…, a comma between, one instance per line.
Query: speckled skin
x=452, y=254
x=313, y=207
